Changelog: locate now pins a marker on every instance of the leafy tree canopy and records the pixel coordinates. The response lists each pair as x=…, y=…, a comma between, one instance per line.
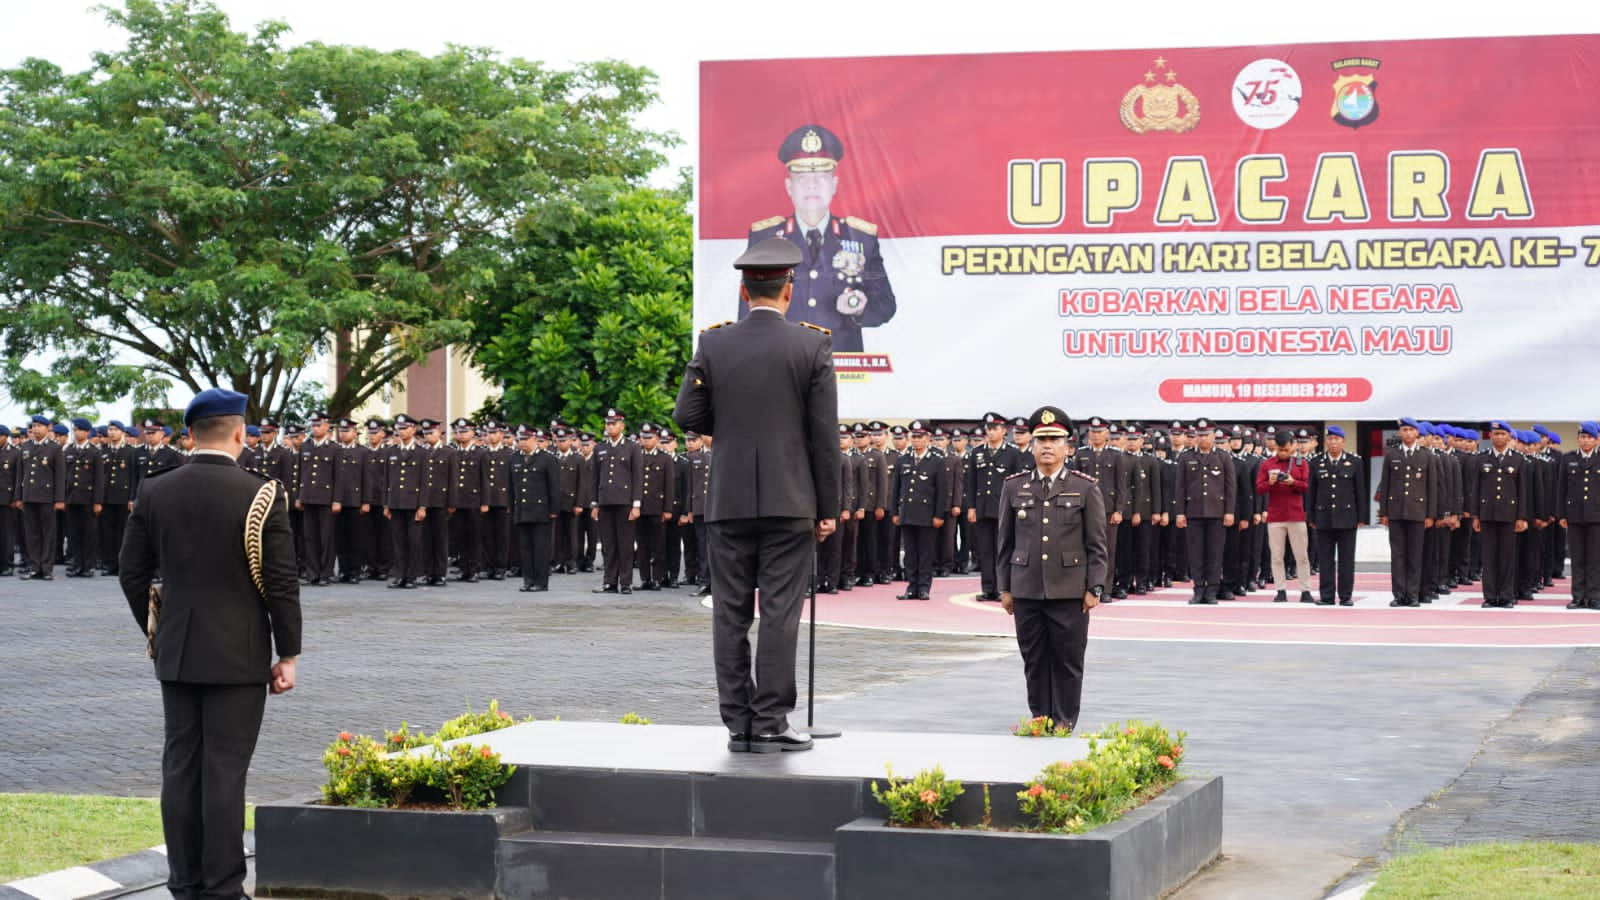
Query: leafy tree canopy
x=221, y=208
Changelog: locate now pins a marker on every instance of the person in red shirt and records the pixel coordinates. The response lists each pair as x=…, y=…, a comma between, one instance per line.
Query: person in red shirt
x=1283, y=478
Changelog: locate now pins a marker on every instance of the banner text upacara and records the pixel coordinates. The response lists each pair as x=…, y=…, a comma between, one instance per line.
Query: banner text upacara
x=1419, y=187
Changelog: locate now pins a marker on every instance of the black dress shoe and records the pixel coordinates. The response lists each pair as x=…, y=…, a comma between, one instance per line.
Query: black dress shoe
x=626, y=589
x=1347, y=603
x=533, y=588
x=649, y=586
x=46, y=576
x=908, y=595
x=844, y=586
x=324, y=582
x=496, y=576
x=586, y=567
x=738, y=742
x=1225, y=594
x=402, y=584
x=704, y=591
x=435, y=581
x=789, y=740
x=1119, y=594
x=1305, y=597
x=1281, y=597
x=1577, y=604
x=1328, y=602
x=606, y=589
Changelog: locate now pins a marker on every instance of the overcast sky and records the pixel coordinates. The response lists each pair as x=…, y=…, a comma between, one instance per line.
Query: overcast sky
x=671, y=38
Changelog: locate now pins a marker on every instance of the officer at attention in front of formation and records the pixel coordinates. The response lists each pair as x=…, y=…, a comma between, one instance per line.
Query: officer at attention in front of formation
x=1054, y=564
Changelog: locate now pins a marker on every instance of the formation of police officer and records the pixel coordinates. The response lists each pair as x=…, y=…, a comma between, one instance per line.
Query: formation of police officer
x=382, y=500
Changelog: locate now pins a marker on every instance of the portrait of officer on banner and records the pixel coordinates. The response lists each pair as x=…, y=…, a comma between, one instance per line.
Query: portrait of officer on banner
x=840, y=283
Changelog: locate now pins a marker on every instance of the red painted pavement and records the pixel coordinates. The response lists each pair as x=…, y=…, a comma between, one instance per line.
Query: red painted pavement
x=1165, y=615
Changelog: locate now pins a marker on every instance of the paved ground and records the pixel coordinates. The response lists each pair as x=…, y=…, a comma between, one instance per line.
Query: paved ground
x=1324, y=747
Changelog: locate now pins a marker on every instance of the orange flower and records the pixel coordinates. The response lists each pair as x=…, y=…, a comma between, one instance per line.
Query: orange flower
x=397, y=738
x=1036, y=790
x=344, y=735
x=1165, y=762
x=929, y=796
x=504, y=714
x=344, y=751
x=485, y=752
x=1128, y=732
x=1177, y=752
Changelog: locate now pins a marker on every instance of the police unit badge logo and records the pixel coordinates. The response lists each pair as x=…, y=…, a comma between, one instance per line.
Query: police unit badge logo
x=1266, y=94
x=1355, y=94
x=1160, y=103
x=811, y=143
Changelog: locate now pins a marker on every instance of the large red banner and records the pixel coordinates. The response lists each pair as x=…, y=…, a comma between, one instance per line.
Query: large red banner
x=1132, y=221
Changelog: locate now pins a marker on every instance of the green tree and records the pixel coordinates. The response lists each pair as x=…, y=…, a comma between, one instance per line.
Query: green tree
x=218, y=208
x=597, y=310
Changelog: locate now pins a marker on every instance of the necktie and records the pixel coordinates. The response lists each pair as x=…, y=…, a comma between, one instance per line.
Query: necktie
x=814, y=242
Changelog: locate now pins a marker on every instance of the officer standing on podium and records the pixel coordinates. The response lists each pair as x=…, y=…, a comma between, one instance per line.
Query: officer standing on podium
x=1054, y=564
x=765, y=388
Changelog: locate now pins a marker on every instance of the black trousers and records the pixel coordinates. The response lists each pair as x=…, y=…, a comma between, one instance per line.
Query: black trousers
x=436, y=542
x=1583, y=541
x=617, y=536
x=772, y=556
x=986, y=533
x=919, y=541
x=348, y=525
x=8, y=537
x=466, y=539
x=846, y=535
x=828, y=559
x=1113, y=540
x=320, y=543
x=1235, y=556
x=1405, y=558
x=1144, y=569
x=1431, y=539
x=211, y=732
x=83, y=538
x=1052, y=636
x=1205, y=553
x=497, y=539
x=689, y=534
x=963, y=542
x=944, y=557
x=377, y=542
x=533, y=552
x=650, y=540
x=674, y=555
x=888, y=548
x=702, y=538
x=1460, y=567
x=1336, y=548
x=1499, y=561
x=405, y=533
x=588, y=538
x=1529, y=574
x=867, y=545
x=39, y=531
x=113, y=522
x=567, y=539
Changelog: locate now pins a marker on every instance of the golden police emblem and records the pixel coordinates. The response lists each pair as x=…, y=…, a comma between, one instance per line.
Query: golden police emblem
x=1160, y=103
x=812, y=142
x=1047, y=417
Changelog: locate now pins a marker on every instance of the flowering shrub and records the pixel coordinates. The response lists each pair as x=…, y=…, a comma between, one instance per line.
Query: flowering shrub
x=634, y=719
x=919, y=802
x=1123, y=761
x=415, y=767
x=1040, y=726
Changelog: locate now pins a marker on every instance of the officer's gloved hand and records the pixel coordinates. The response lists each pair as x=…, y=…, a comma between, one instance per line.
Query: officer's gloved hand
x=851, y=303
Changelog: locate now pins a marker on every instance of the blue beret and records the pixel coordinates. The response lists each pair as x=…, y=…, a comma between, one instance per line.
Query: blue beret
x=1554, y=438
x=1540, y=429
x=1426, y=428
x=4, y=431
x=1335, y=430
x=252, y=430
x=101, y=430
x=1590, y=428
x=40, y=420
x=1409, y=421
x=58, y=428
x=214, y=402
x=166, y=431
x=117, y=424
x=1499, y=425
x=82, y=424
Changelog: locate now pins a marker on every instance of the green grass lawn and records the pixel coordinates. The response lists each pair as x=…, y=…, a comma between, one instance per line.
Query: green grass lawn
x=43, y=832
x=1523, y=871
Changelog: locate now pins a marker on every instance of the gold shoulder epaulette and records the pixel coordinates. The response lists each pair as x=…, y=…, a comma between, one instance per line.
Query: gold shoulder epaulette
x=1017, y=474
x=1086, y=476
x=767, y=223
x=816, y=328
x=716, y=326
x=861, y=224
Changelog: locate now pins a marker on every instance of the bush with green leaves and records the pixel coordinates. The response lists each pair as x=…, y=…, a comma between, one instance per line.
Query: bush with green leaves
x=416, y=767
x=1124, y=762
x=920, y=801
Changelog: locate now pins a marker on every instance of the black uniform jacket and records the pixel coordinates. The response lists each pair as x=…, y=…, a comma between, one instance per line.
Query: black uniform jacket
x=765, y=388
x=215, y=628
x=1052, y=541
